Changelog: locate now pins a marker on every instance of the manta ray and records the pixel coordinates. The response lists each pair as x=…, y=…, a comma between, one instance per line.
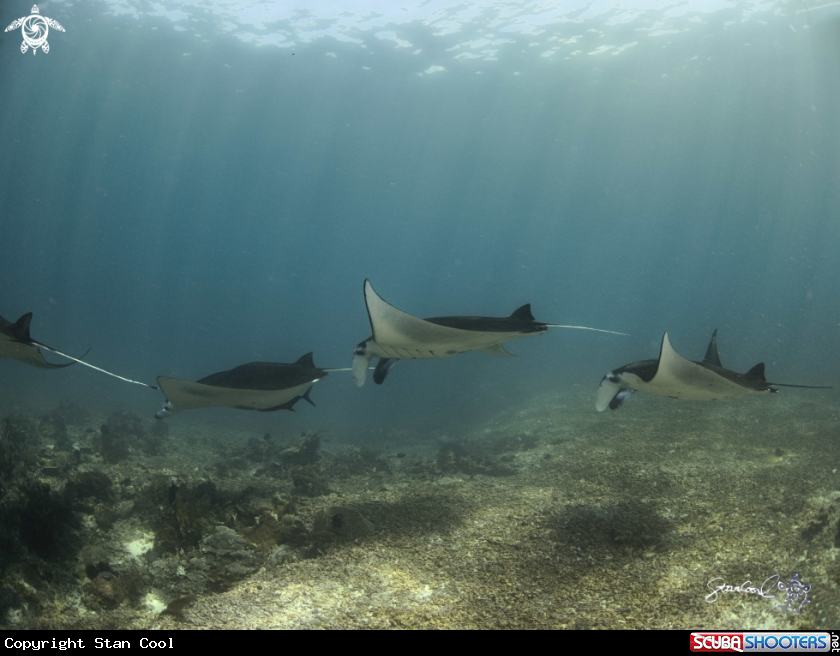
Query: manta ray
x=672, y=375
x=262, y=386
x=16, y=343
x=397, y=335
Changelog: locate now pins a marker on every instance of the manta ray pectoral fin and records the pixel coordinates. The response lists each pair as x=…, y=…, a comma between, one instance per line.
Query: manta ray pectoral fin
x=382, y=368
x=498, y=350
x=391, y=327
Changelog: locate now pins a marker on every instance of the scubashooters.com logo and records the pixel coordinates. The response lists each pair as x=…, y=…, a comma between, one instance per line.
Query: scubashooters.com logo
x=35, y=29
x=753, y=641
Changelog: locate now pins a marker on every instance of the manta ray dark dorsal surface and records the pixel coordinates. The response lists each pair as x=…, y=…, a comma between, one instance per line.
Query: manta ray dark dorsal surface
x=20, y=328
x=261, y=386
x=712, y=356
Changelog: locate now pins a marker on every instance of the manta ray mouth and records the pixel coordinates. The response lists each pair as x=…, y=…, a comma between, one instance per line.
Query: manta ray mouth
x=165, y=411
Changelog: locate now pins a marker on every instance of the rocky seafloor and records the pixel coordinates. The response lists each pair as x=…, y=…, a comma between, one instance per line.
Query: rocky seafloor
x=549, y=515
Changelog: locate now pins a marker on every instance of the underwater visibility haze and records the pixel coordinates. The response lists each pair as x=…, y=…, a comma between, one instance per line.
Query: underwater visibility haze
x=189, y=187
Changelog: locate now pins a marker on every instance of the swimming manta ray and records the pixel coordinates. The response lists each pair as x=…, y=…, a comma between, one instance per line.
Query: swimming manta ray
x=263, y=386
x=397, y=335
x=672, y=375
x=16, y=343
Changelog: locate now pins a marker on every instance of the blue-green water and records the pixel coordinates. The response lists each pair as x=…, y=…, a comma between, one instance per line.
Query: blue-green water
x=185, y=190
x=183, y=201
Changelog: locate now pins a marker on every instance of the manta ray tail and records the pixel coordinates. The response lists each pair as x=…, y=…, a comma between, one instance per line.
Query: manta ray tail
x=79, y=361
x=600, y=330
x=757, y=373
x=50, y=365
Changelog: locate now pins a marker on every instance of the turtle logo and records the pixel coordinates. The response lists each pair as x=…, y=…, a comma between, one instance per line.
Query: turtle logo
x=35, y=29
